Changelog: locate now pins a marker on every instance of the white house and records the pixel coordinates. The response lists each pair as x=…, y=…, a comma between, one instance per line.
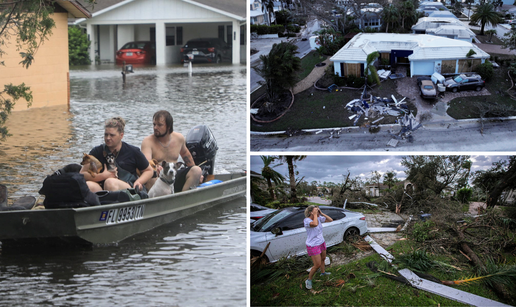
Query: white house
x=425, y=54
x=170, y=23
x=256, y=14
x=445, y=27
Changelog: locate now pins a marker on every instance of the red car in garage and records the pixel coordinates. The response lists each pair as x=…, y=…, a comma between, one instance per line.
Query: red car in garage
x=137, y=53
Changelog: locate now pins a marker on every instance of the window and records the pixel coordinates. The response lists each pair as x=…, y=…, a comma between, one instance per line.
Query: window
x=294, y=221
x=334, y=214
x=170, y=36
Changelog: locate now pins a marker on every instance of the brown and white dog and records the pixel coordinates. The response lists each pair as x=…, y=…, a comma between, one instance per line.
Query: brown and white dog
x=94, y=166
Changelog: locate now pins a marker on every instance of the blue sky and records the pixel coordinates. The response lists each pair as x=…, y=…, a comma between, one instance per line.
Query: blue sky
x=332, y=168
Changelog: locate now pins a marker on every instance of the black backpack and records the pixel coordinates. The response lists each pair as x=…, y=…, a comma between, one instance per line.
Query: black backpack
x=67, y=190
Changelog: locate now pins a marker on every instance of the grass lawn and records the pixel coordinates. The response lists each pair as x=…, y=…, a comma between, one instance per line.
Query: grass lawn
x=322, y=109
x=354, y=284
x=461, y=108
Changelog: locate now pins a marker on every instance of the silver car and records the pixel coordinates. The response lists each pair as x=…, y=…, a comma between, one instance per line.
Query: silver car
x=285, y=231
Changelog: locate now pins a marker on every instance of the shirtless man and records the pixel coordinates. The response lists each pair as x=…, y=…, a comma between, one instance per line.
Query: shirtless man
x=167, y=145
x=128, y=158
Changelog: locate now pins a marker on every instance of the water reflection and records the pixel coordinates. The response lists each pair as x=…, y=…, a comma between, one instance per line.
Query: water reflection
x=197, y=261
x=46, y=139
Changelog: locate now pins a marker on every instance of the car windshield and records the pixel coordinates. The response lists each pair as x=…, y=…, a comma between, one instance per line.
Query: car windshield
x=198, y=44
x=458, y=79
x=134, y=45
x=270, y=219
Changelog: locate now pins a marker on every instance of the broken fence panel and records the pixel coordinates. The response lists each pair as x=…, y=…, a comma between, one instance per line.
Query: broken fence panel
x=380, y=250
x=447, y=292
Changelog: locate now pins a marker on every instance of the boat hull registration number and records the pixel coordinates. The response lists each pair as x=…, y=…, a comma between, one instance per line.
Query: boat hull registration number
x=122, y=215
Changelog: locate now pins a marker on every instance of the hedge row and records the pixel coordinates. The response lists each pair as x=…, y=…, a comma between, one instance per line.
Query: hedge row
x=264, y=29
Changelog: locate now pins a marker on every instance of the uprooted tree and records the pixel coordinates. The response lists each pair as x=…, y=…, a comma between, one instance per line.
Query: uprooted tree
x=498, y=179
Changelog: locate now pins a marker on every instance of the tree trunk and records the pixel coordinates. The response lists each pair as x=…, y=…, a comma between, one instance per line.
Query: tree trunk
x=508, y=179
x=271, y=191
x=498, y=288
x=293, y=195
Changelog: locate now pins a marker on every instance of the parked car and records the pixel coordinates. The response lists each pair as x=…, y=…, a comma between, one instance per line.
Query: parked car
x=258, y=211
x=427, y=87
x=137, y=53
x=285, y=231
x=209, y=50
x=464, y=82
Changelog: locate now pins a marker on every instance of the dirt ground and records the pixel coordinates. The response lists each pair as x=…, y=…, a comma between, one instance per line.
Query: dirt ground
x=382, y=219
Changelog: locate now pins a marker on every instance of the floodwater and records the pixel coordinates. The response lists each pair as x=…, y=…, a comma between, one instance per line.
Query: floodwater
x=198, y=260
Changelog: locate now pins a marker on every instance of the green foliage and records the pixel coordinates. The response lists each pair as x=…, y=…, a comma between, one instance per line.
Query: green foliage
x=464, y=195
x=279, y=69
x=264, y=29
x=417, y=260
x=78, y=45
x=485, y=13
x=422, y=231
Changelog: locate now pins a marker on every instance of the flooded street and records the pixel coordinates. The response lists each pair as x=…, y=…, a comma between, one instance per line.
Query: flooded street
x=198, y=260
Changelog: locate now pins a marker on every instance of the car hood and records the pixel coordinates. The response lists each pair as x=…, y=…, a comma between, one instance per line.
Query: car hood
x=449, y=81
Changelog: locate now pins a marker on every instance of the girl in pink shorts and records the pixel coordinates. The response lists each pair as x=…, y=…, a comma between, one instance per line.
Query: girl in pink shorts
x=315, y=244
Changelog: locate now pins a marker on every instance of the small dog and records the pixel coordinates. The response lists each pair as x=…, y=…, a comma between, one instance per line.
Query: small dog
x=110, y=158
x=94, y=166
x=165, y=183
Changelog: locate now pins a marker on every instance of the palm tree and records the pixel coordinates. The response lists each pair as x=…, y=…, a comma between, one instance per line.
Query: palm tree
x=370, y=69
x=271, y=175
x=292, y=175
x=485, y=14
x=279, y=69
x=390, y=15
x=490, y=33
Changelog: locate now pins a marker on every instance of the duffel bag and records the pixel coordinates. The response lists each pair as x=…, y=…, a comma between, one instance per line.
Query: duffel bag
x=67, y=190
x=113, y=197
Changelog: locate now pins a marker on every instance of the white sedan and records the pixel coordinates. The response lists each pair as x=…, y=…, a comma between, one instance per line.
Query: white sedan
x=286, y=233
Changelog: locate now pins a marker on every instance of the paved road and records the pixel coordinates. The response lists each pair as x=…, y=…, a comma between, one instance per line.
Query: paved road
x=318, y=200
x=443, y=136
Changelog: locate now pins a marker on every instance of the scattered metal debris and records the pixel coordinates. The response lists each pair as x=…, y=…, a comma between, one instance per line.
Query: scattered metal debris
x=447, y=292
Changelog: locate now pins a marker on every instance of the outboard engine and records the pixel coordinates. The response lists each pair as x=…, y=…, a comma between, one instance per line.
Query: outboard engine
x=202, y=145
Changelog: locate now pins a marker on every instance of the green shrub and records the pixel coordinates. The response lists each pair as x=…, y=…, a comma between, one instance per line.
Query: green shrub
x=354, y=81
x=422, y=231
x=78, y=44
x=486, y=70
x=265, y=29
x=464, y=195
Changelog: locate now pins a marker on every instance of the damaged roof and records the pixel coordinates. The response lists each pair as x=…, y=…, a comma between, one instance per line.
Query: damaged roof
x=424, y=47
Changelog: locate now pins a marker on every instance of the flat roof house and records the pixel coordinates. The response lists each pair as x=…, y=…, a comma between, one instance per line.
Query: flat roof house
x=423, y=53
x=445, y=27
x=170, y=23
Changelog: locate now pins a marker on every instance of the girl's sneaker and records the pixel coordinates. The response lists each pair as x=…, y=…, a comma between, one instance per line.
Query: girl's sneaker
x=308, y=284
x=325, y=273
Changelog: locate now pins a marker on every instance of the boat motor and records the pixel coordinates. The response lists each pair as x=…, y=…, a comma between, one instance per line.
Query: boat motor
x=202, y=145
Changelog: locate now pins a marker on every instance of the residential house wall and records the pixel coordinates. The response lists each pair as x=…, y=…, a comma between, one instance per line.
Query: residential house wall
x=425, y=54
x=47, y=77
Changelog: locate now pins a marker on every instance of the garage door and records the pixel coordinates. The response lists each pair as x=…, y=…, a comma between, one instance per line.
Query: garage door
x=423, y=68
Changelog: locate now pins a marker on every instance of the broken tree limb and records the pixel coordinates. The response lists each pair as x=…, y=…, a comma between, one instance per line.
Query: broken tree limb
x=498, y=288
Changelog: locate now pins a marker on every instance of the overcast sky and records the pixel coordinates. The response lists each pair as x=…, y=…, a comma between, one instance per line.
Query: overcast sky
x=331, y=168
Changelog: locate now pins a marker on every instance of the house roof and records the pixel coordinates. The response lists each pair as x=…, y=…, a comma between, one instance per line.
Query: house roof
x=233, y=8
x=424, y=47
x=442, y=14
x=459, y=31
x=74, y=8
x=435, y=22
